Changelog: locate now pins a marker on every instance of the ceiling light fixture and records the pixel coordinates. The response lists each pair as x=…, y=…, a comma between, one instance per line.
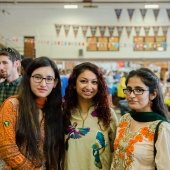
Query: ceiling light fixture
x=151, y=6
x=70, y=6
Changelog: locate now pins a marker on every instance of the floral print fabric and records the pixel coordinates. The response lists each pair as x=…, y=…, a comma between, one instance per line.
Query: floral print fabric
x=11, y=157
x=89, y=147
x=134, y=150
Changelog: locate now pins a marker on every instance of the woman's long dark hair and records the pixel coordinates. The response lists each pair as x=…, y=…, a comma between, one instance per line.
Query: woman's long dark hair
x=153, y=83
x=100, y=99
x=28, y=128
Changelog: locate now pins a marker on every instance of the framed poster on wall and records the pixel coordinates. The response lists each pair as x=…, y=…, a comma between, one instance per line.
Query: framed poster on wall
x=160, y=43
x=138, y=43
x=91, y=43
x=113, y=44
x=102, y=43
x=149, y=44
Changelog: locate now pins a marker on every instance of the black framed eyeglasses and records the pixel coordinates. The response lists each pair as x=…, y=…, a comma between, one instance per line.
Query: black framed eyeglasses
x=38, y=79
x=135, y=91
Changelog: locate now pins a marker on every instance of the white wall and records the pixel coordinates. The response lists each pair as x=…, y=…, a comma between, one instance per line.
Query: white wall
x=39, y=21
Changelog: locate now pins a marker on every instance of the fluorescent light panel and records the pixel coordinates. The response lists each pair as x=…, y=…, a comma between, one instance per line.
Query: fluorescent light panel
x=71, y=6
x=151, y=6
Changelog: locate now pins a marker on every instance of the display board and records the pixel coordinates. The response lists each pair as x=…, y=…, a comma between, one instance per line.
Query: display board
x=91, y=43
x=150, y=43
x=114, y=43
x=103, y=43
x=161, y=44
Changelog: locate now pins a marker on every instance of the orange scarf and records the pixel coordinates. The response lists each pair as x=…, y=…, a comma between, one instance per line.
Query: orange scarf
x=40, y=102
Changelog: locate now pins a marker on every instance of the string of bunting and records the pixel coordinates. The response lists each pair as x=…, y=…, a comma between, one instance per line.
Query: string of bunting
x=114, y=42
x=143, y=13
x=111, y=30
x=19, y=40
x=102, y=29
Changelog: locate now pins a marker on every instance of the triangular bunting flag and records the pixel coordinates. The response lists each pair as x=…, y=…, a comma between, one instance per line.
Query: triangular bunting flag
x=58, y=29
x=75, y=30
x=143, y=13
x=156, y=13
x=146, y=29
x=137, y=30
x=93, y=30
x=118, y=13
x=155, y=30
x=84, y=30
x=168, y=13
x=111, y=30
x=119, y=30
x=165, y=30
x=102, y=30
x=128, y=30
x=130, y=13
x=66, y=29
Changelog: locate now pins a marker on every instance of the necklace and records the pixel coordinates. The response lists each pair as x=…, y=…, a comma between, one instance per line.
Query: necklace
x=83, y=118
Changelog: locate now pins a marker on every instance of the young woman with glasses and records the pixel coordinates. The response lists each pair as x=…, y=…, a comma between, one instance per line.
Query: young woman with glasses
x=134, y=144
x=31, y=124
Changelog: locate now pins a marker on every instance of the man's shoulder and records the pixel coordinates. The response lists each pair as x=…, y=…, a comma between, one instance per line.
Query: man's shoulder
x=2, y=83
x=17, y=81
x=11, y=103
x=13, y=99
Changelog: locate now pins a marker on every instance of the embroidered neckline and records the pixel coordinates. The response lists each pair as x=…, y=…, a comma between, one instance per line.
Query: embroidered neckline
x=83, y=118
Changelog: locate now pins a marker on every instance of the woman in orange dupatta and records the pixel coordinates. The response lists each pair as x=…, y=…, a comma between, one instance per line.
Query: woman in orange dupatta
x=31, y=124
